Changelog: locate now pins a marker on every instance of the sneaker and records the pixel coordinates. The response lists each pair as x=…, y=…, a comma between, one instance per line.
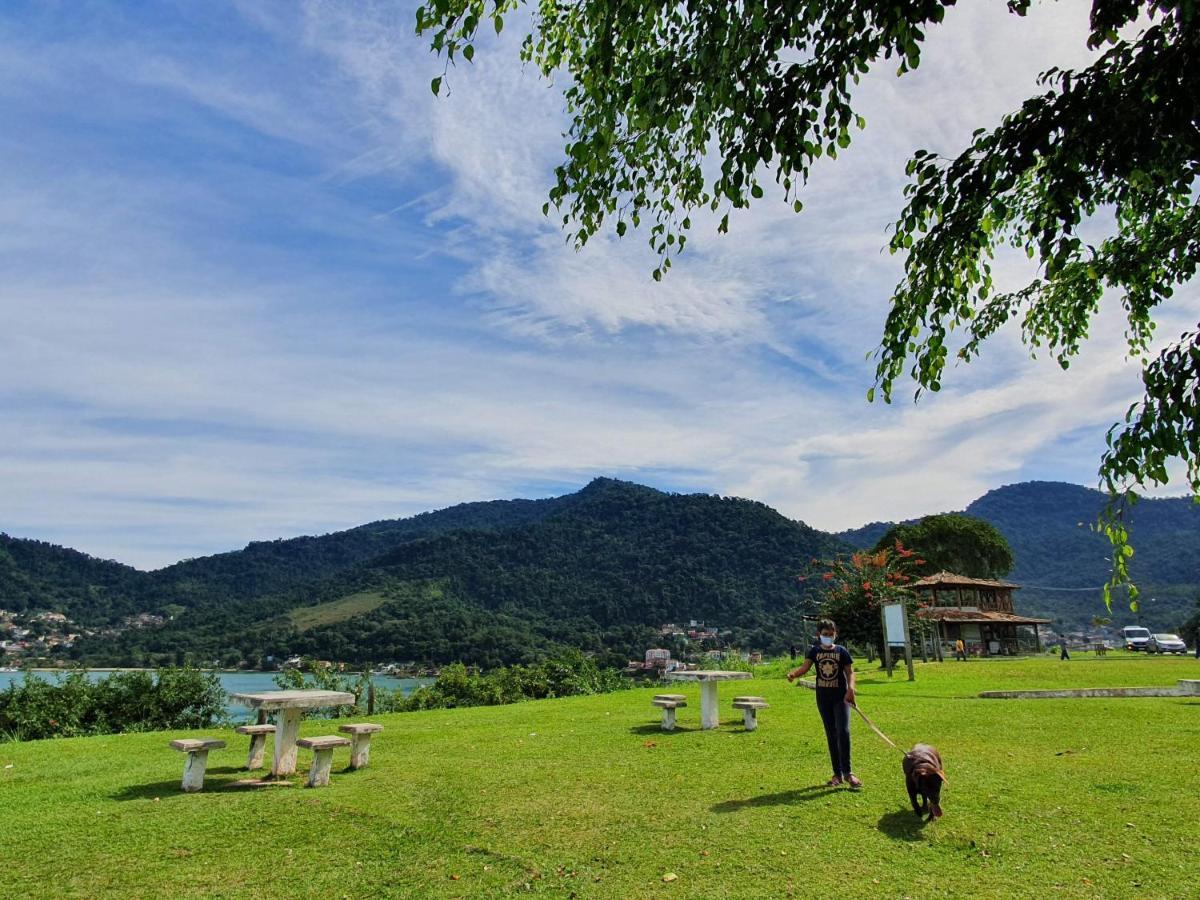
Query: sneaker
x=854, y=782
x=835, y=781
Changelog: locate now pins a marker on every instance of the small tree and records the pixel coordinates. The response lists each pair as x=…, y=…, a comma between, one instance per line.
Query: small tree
x=856, y=588
x=952, y=542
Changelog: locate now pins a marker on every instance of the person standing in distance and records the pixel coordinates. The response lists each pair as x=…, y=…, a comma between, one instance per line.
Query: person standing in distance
x=835, y=696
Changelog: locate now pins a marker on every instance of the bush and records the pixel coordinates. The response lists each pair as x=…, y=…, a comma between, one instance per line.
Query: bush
x=568, y=674
x=72, y=705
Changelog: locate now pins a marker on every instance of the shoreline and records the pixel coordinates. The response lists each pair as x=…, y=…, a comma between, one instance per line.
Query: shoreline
x=62, y=669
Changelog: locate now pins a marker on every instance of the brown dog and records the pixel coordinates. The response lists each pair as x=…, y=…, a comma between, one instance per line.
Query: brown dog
x=924, y=777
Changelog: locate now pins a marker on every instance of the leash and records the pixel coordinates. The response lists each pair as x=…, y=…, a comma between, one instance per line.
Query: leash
x=875, y=728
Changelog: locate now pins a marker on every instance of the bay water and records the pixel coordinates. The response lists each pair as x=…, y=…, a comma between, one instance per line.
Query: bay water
x=232, y=682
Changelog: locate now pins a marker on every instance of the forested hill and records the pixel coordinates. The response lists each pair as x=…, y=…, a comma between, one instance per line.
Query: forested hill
x=1061, y=562
x=270, y=567
x=599, y=572
x=501, y=580
x=35, y=575
x=38, y=575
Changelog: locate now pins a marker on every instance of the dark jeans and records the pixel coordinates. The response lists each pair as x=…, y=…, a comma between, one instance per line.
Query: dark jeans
x=835, y=714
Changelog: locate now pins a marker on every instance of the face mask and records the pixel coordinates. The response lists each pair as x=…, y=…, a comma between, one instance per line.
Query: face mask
x=826, y=641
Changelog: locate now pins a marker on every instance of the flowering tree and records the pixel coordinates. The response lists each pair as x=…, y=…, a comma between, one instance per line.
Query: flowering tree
x=856, y=587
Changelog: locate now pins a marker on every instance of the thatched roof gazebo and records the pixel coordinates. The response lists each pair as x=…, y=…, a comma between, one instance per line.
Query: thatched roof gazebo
x=978, y=610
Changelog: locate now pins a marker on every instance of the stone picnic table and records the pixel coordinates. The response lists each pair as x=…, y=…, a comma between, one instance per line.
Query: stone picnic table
x=710, y=716
x=288, y=706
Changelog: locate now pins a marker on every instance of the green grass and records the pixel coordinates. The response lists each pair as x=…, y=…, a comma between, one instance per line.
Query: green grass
x=587, y=797
x=339, y=610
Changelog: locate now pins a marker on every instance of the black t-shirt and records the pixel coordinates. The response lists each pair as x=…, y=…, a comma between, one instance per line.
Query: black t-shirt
x=831, y=664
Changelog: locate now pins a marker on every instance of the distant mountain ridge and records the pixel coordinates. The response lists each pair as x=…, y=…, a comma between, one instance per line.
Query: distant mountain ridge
x=505, y=580
x=600, y=570
x=1061, y=562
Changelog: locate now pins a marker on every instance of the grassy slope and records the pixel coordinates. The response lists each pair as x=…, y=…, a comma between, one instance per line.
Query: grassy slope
x=588, y=796
x=304, y=617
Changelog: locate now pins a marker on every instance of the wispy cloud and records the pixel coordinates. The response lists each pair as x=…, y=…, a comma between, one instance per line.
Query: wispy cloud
x=262, y=283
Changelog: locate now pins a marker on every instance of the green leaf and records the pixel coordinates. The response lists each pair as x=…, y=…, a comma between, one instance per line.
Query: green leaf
x=436, y=85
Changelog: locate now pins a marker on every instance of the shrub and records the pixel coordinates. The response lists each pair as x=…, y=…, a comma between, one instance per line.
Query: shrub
x=72, y=705
x=565, y=675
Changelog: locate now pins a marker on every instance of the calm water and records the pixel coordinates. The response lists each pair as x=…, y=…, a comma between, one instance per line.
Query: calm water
x=236, y=682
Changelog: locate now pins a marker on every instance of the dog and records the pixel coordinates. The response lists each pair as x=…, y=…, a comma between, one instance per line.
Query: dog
x=923, y=776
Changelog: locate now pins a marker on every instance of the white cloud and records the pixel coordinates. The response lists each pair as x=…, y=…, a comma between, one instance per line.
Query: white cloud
x=367, y=315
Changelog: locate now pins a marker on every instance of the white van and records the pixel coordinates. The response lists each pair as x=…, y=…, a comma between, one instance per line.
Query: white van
x=1135, y=637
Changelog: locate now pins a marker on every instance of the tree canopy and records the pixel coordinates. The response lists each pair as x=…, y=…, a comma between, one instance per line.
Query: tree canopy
x=657, y=90
x=954, y=543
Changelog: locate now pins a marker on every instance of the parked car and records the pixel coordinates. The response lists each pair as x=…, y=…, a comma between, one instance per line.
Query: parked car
x=1135, y=637
x=1165, y=643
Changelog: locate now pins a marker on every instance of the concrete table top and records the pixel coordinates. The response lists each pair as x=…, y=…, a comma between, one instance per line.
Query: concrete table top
x=708, y=675
x=294, y=699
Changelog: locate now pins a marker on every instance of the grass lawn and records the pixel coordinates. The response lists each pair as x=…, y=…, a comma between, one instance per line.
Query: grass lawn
x=588, y=797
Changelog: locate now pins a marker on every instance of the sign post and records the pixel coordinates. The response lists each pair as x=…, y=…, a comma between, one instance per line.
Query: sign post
x=896, y=634
x=908, y=654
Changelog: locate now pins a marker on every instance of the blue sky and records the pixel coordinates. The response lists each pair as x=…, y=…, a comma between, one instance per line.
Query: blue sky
x=258, y=282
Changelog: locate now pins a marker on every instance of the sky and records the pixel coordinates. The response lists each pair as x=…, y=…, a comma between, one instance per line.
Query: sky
x=256, y=281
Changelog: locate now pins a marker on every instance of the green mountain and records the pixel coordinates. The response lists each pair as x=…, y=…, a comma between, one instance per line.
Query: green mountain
x=35, y=575
x=506, y=581
x=1061, y=563
x=596, y=569
x=266, y=568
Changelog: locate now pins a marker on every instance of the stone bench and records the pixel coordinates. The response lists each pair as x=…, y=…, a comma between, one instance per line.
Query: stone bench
x=360, y=742
x=258, y=743
x=197, y=760
x=322, y=748
x=670, y=697
x=750, y=707
x=668, y=707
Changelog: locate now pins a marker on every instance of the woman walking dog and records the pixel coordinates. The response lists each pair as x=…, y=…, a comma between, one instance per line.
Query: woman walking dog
x=835, y=695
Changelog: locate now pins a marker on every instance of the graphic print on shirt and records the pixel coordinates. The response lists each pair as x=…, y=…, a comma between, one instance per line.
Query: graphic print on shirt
x=829, y=665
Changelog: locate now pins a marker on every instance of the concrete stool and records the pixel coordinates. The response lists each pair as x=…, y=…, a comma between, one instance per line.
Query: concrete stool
x=682, y=697
x=197, y=760
x=668, y=707
x=360, y=742
x=258, y=743
x=750, y=707
x=322, y=748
